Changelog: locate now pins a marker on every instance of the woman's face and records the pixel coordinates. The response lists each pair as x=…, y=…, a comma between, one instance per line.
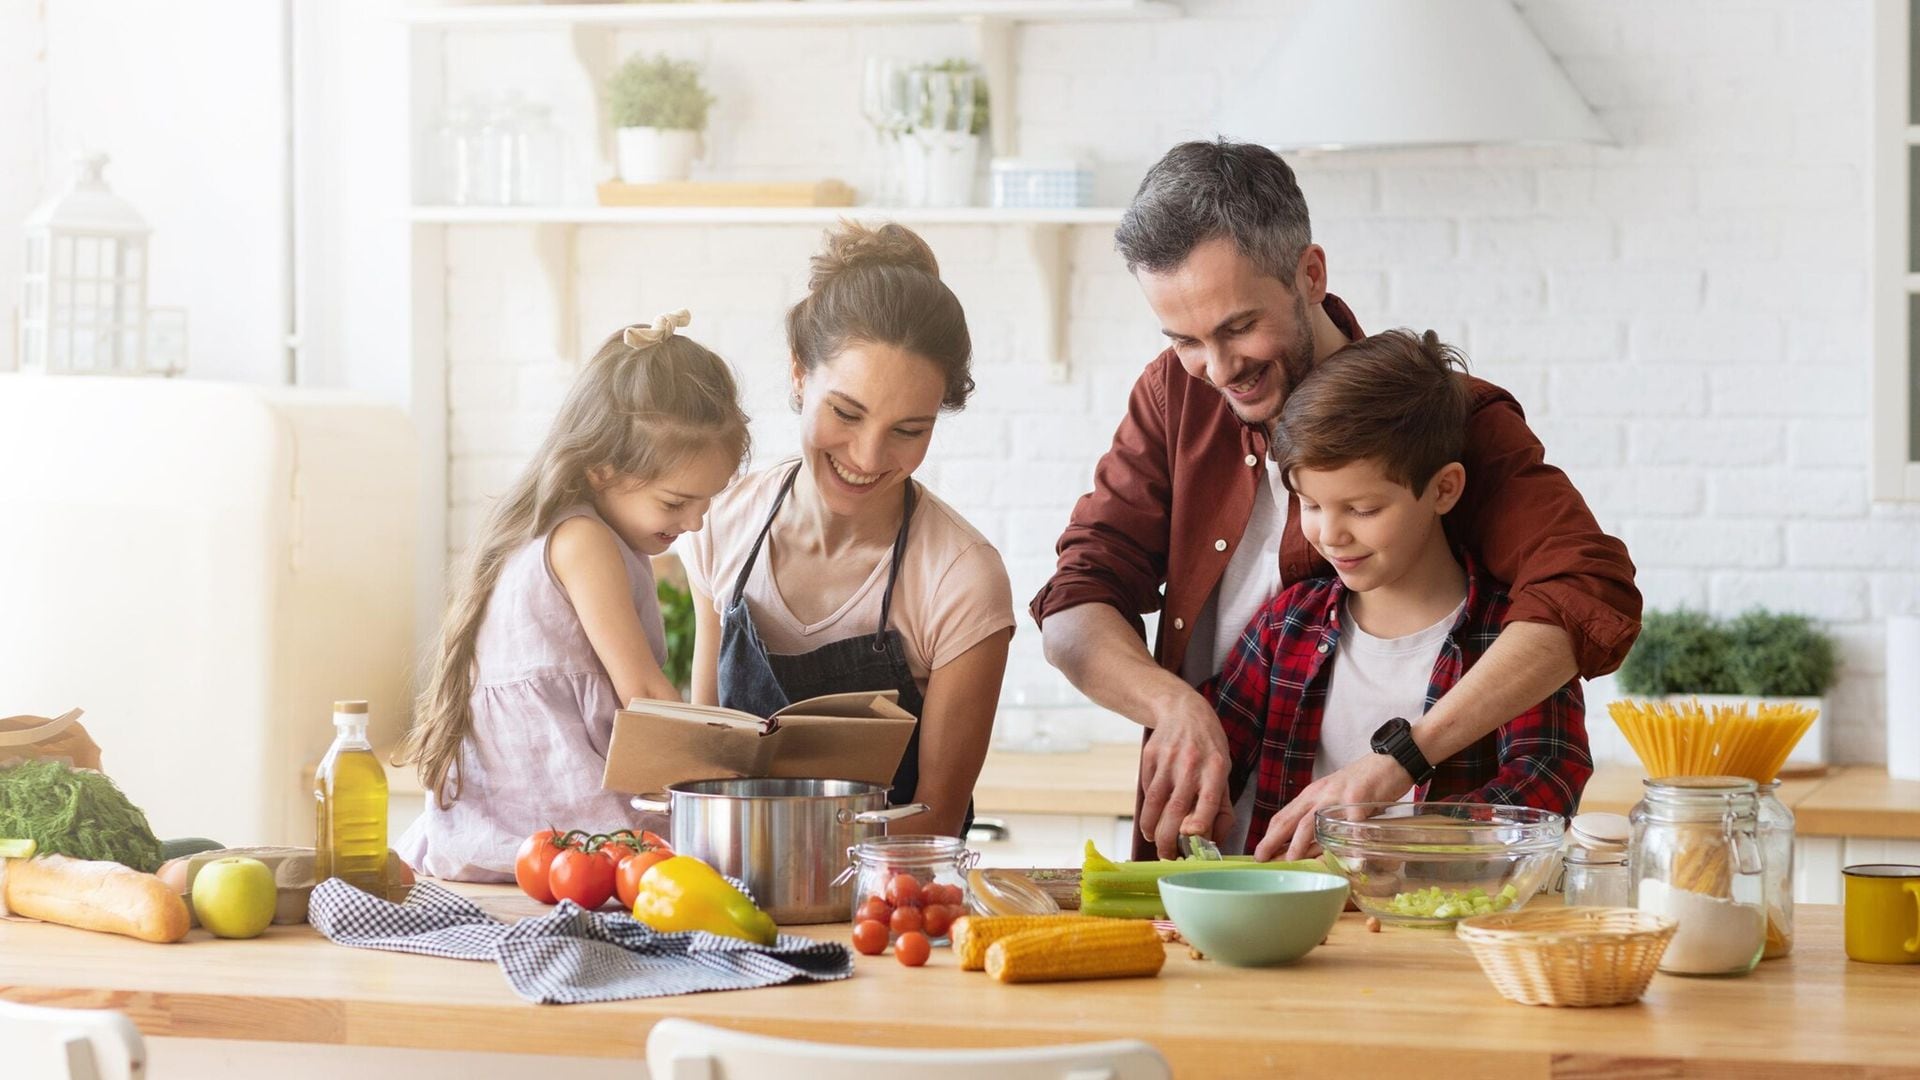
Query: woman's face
x=866, y=417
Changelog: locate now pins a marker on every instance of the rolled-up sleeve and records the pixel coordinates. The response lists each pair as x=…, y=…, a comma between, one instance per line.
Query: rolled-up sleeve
x=1114, y=548
x=1533, y=531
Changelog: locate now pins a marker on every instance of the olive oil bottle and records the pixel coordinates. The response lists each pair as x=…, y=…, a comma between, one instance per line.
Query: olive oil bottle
x=350, y=800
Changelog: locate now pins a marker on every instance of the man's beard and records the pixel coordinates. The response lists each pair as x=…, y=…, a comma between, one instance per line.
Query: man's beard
x=1290, y=367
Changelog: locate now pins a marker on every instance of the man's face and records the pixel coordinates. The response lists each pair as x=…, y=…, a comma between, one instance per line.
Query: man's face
x=1235, y=327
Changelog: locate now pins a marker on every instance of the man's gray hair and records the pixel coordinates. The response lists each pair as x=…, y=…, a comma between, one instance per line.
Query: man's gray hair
x=1203, y=190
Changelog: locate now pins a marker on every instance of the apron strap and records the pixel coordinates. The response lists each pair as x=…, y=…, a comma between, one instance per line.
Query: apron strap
x=753, y=554
x=893, y=572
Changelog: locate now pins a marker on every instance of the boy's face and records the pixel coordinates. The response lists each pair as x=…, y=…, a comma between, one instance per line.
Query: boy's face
x=1372, y=529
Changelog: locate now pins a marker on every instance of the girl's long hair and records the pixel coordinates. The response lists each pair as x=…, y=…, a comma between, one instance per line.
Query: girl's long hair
x=639, y=412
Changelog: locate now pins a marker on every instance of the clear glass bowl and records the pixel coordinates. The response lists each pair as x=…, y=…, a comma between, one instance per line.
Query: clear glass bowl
x=1434, y=863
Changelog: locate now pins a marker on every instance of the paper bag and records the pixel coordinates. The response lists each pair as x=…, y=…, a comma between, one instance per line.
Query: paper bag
x=38, y=738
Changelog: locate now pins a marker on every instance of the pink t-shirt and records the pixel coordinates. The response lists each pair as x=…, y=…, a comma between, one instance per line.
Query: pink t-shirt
x=952, y=592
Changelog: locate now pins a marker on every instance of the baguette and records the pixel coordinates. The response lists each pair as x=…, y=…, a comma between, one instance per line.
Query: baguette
x=93, y=896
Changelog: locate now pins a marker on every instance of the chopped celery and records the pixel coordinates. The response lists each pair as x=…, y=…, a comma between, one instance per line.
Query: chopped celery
x=1434, y=902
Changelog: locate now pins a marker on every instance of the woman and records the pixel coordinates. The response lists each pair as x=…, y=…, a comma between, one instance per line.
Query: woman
x=836, y=571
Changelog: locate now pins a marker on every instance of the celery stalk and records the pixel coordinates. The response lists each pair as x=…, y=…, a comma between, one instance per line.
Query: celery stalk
x=1131, y=890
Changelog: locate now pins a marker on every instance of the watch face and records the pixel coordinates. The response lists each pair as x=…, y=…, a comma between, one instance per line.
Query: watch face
x=1383, y=735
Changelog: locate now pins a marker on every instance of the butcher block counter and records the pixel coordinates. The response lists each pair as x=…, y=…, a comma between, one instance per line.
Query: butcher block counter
x=1405, y=1002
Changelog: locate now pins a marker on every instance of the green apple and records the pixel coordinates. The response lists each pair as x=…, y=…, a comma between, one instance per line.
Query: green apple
x=234, y=897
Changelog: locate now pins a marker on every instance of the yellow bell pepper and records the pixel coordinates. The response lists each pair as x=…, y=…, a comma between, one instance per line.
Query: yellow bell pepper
x=683, y=893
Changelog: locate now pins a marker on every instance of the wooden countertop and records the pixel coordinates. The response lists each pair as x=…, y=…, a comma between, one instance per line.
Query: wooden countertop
x=1353, y=1006
x=1850, y=800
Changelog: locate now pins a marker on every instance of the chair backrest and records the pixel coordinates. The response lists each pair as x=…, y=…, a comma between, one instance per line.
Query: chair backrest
x=70, y=1044
x=683, y=1050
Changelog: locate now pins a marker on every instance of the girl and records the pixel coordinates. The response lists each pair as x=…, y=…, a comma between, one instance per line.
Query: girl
x=835, y=571
x=556, y=624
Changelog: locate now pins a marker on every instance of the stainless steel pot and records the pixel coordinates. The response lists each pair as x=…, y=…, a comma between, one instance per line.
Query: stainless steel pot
x=787, y=839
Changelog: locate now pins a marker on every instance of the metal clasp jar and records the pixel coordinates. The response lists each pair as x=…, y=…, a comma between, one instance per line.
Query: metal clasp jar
x=1696, y=857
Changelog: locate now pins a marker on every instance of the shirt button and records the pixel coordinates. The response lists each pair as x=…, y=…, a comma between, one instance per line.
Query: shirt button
x=1323, y=647
x=1219, y=545
x=1179, y=624
x=1251, y=460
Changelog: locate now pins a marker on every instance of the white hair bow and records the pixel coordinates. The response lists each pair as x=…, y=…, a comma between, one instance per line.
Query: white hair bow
x=663, y=327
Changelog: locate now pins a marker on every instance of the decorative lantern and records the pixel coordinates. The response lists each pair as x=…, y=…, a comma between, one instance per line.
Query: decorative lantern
x=84, y=303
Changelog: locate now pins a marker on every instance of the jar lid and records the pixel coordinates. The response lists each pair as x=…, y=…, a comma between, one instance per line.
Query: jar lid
x=1600, y=832
x=1699, y=786
x=1009, y=892
x=909, y=850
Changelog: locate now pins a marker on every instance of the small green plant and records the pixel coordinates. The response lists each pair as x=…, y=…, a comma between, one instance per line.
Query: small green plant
x=1779, y=655
x=1761, y=654
x=676, y=610
x=658, y=92
x=980, y=100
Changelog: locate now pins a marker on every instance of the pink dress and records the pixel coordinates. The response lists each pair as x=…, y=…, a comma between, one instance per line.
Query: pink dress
x=542, y=715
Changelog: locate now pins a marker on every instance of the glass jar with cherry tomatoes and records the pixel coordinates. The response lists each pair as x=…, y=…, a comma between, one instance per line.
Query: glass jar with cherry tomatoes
x=909, y=883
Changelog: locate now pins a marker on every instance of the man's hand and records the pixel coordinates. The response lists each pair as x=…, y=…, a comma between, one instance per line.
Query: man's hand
x=1374, y=778
x=1183, y=775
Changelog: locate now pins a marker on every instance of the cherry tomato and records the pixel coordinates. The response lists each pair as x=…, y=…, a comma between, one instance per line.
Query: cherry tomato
x=905, y=919
x=626, y=882
x=581, y=876
x=616, y=851
x=876, y=909
x=532, y=865
x=651, y=839
x=912, y=949
x=903, y=891
x=870, y=937
x=938, y=918
x=950, y=895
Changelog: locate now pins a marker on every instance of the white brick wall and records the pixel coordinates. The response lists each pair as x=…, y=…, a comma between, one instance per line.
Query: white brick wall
x=1683, y=315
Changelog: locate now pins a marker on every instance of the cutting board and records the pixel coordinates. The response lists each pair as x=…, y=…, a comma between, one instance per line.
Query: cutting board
x=727, y=193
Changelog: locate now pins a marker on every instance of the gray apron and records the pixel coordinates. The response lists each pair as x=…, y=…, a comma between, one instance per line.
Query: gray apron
x=756, y=681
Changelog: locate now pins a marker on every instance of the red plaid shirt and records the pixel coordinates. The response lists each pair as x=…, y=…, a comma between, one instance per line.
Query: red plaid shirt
x=1272, y=695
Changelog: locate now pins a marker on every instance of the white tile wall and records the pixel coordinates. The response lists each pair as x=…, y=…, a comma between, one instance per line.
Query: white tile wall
x=1683, y=315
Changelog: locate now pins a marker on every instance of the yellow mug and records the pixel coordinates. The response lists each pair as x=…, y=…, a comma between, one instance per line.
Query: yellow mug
x=1883, y=913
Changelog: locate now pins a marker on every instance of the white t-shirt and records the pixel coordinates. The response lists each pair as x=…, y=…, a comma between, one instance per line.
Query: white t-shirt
x=952, y=592
x=1375, y=679
x=1252, y=578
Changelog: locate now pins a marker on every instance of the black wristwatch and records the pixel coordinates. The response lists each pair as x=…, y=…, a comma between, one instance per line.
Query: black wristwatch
x=1395, y=739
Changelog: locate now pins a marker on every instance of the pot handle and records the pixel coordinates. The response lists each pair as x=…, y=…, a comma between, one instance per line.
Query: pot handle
x=652, y=802
x=891, y=813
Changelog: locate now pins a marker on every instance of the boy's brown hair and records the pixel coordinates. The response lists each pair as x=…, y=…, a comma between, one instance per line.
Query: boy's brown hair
x=1395, y=398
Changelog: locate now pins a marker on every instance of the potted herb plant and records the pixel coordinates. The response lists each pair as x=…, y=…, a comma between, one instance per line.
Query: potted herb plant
x=1761, y=657
x=659, y=110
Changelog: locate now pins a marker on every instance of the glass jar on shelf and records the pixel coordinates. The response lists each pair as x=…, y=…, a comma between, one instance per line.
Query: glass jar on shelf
x=911, y=883
x=1695, y=856
x=1776, y=841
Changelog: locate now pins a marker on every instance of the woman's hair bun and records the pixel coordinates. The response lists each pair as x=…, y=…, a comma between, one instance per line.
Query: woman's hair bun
x=851, y=245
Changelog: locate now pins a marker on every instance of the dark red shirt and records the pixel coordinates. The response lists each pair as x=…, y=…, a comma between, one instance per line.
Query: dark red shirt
x=1172, y=496
x=1272, y=697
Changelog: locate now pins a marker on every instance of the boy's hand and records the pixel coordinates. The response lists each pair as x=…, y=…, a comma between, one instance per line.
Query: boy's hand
x=1183, y=776
x=1374, y=778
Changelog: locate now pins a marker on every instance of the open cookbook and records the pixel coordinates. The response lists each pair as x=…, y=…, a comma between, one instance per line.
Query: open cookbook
x=857, y=736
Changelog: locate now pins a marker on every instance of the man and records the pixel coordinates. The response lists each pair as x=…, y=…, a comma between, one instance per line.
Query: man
x=1219, y=238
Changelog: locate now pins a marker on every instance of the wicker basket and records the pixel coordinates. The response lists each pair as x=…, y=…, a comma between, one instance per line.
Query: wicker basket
x=1578, y=956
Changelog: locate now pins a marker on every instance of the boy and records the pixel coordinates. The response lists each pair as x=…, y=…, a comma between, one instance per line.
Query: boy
x=1333, y=669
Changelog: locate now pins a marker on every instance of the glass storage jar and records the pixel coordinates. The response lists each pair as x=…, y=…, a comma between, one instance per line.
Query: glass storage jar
x=1594, y=868
x=911, y=883
x=1776, y=841
x=1695, y=856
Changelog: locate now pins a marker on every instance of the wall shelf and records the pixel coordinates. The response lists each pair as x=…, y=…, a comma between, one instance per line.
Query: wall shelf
x=820, y=12
x=755, y=215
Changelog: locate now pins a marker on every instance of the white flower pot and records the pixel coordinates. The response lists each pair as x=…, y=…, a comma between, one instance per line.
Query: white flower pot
x=656, y=155
x=937, y=168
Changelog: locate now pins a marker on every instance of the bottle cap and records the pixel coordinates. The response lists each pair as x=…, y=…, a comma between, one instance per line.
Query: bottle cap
x=359, y=707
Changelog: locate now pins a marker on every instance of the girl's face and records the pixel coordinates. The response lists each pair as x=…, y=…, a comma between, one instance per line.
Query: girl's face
x=866, y=418
x=651, y=515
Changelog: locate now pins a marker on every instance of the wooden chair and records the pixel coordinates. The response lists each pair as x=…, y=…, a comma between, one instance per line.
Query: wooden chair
x=69, y=1044
x=683, y=1050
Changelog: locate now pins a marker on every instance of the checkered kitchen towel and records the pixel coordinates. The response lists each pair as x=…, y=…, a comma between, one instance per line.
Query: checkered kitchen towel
x=568, y=955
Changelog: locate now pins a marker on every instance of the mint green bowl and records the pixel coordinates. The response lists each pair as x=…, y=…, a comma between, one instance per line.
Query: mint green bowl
x=1251, y=919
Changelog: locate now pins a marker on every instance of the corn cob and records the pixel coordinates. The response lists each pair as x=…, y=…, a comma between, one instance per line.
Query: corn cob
x=974, y=933
x=1100, y=949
